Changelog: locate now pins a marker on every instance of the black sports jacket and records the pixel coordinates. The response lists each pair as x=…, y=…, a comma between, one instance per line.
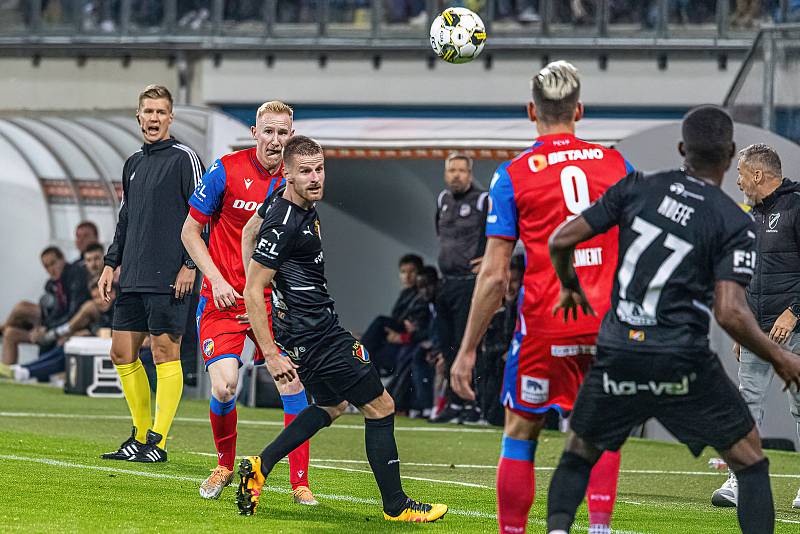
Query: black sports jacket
x=157, y=182
x=776, y=283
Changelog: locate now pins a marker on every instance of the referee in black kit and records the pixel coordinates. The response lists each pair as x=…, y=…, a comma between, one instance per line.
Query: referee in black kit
x=461, y=226
x=156, y=275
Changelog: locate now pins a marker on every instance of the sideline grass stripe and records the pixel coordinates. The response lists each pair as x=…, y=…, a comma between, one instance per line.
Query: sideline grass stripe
x=431, y=428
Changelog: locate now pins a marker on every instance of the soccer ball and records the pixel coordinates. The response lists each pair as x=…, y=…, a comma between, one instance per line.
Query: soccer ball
x=458, y=35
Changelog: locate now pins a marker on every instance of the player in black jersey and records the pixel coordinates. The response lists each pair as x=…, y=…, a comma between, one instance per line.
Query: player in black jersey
x=333, y=366
x=684, y=248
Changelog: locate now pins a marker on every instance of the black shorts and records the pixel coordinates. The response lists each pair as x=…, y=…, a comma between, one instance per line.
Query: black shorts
x=689, y=394
x=337, y=368
x=156, y=313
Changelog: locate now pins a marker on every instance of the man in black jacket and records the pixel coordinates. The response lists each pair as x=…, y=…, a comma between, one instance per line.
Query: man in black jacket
x=461, y=227
x=156, y=274
x=774, y=292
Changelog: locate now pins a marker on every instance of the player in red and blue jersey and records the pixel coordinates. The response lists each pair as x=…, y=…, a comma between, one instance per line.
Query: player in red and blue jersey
x=225, y=199
x=531, y=195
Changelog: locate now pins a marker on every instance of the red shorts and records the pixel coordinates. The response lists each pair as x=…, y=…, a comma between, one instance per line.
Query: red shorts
x=543, y=373
x=220, y=333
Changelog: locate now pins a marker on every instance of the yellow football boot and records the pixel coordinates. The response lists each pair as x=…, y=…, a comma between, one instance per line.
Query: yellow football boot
x=250, y=483
x=419, y=512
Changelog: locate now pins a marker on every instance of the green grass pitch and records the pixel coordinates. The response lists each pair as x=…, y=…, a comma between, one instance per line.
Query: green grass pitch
x=52, y=479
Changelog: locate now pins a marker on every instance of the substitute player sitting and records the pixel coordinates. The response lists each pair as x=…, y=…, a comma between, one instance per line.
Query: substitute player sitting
x=226, y=197
x=308, y=337
x=552, y=182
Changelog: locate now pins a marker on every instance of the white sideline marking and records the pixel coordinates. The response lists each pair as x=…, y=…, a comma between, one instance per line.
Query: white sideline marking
x=251, y=422
x=333, y=497
x=788, y=521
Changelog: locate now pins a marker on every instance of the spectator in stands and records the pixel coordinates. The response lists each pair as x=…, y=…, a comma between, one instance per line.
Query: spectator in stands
x=93, y=316
x=374, y=339
x=85, y=234
x=494, y=349
x=461, y=228
x=93, y=259
x=747, y=13
x=64, y=293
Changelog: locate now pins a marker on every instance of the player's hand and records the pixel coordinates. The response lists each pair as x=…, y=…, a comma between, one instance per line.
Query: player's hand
x=410, y=326
x=570, y=300
x=224, y=294
x=105, y=282
x=392, y=336
x=788, y=368
x=461, y=374
x=184, y=282
x=281, y=368
x=737, y=350
x=475, y=263
x=783, y=327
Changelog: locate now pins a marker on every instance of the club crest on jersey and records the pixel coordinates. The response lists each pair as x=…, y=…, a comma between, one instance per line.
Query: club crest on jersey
x=208, y=347
x=464, y=210
x=316, y=228
x=773, y=221
x=360, y=353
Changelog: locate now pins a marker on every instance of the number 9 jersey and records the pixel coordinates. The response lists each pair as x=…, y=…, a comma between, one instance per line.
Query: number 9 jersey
x=531, y=195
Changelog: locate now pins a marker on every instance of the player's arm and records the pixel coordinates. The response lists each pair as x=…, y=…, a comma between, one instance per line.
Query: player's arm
x=562, y=247
x=502, y=233
x=490, y=286
x=192, y=237
x=734, y=316
x=259, y=277
x=250, y=236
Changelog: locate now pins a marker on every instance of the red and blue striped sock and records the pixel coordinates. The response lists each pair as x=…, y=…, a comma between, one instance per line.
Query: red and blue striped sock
x=515, y=484
x=223, y=425
x=298, y=458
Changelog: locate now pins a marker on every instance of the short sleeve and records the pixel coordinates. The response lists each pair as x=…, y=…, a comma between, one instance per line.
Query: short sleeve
x=502, y=218
x=208, y=195
x=735, y=259
x=276, y=237
x=607, y=211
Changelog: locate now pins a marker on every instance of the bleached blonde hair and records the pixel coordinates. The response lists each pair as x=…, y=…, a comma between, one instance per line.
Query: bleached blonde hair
x=556, y=91
x=274, y=106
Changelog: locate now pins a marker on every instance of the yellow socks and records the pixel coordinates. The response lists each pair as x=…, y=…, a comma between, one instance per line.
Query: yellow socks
x=168, y=395
x=137, y=392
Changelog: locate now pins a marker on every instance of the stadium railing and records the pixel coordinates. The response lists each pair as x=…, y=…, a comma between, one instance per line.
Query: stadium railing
x=765, y=90
x=371, y=24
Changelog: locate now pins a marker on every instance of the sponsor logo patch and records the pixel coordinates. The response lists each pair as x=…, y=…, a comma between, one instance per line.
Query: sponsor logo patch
x=636, y=335
x=208, y=347
x=534, y=390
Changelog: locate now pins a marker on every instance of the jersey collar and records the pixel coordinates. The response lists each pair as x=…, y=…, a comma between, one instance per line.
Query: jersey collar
x=551, y=138
x=260, y=168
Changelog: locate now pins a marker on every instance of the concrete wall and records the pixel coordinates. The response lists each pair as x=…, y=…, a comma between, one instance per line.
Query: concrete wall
x=61, y=83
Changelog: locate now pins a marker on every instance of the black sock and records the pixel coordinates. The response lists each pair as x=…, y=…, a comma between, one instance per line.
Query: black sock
x=567, y=489
x=307, y=423
x=755, y=508
x=385, y=462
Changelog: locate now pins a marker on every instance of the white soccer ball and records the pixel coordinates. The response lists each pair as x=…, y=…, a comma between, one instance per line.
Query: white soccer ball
x=458, y=35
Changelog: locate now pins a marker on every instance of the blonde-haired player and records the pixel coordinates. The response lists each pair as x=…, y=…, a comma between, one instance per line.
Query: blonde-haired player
x=228, y=194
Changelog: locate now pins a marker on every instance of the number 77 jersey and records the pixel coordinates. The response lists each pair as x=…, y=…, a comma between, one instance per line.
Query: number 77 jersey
x=531, y=195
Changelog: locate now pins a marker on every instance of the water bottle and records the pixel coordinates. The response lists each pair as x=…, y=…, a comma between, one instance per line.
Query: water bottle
x=718, y=464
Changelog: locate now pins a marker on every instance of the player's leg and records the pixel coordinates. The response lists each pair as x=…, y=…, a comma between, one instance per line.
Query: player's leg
x=516, y=481
x=253, y=470
x=569, y=483
x=12, y=337
x=756, y=509
x=382, y=454
x=293, y=397
x=224, y=375
x=448, y=342
x=755, y=377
